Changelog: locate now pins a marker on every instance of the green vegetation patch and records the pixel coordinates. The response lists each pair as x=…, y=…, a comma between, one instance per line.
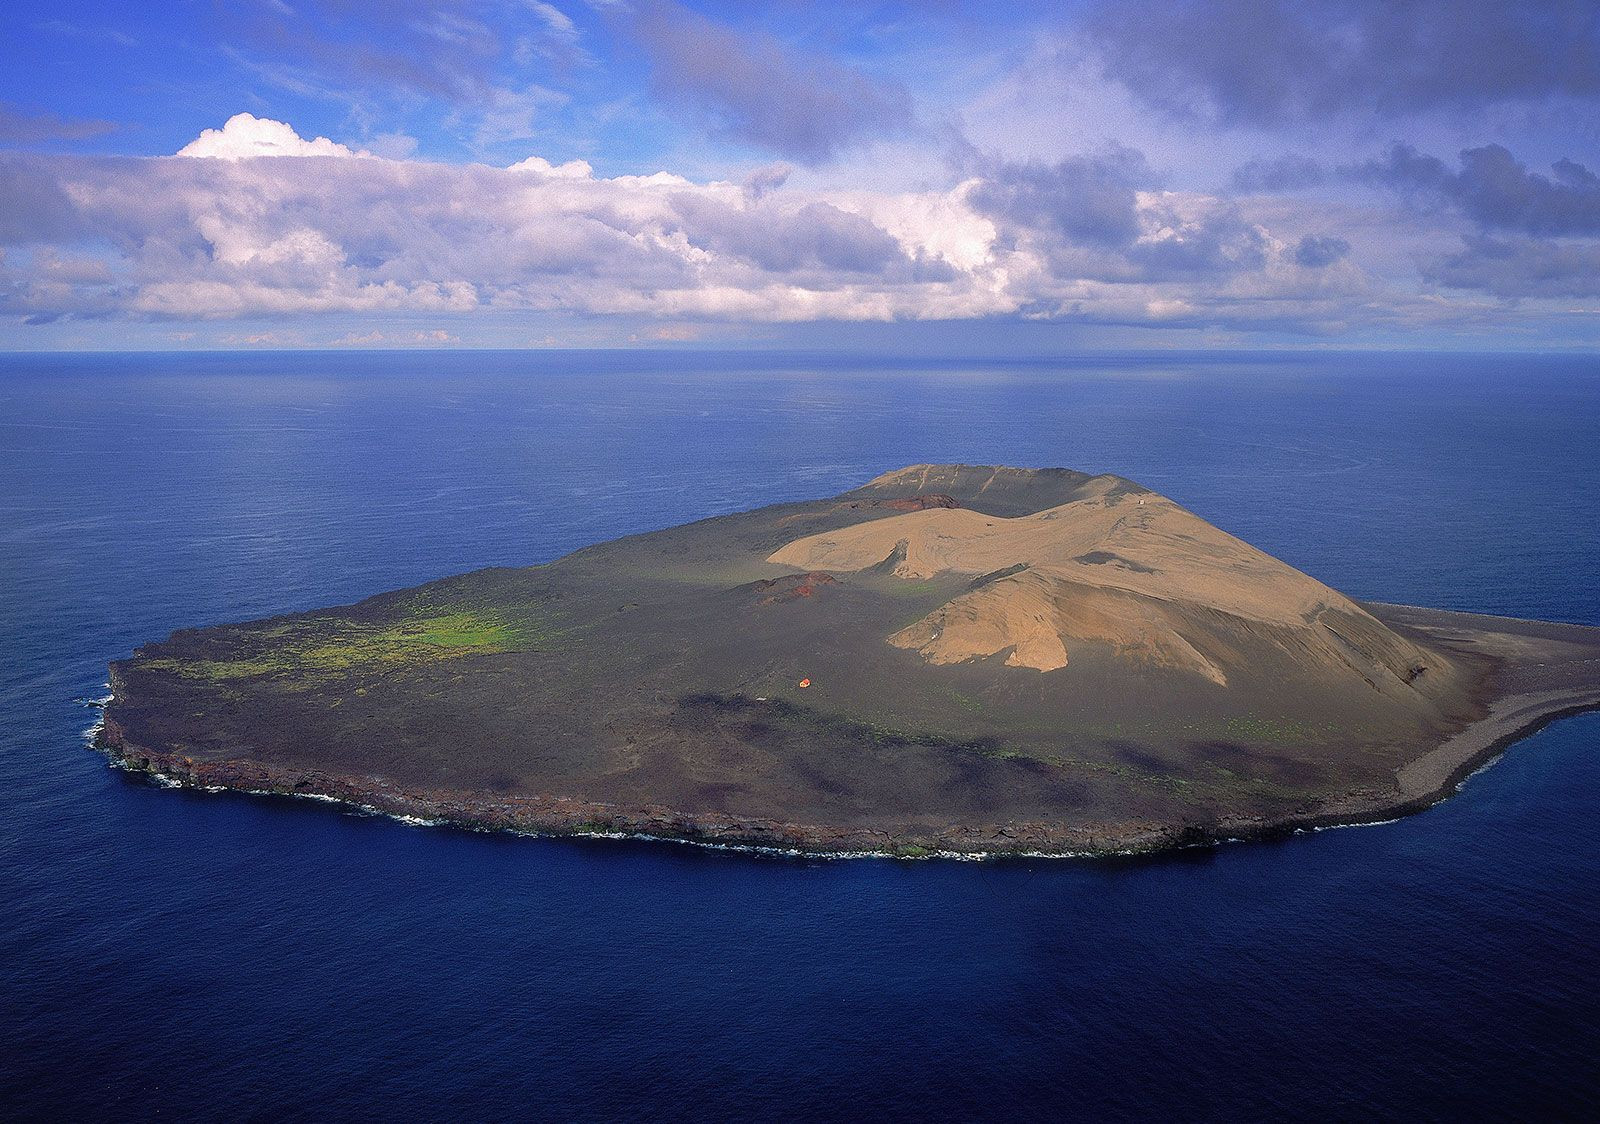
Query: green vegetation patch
x=319, y=647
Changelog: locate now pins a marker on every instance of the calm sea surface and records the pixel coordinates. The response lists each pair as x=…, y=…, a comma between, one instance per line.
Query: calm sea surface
x=165, y=953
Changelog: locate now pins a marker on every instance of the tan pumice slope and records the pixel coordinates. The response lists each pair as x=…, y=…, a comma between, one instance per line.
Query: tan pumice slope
x=1121, y=568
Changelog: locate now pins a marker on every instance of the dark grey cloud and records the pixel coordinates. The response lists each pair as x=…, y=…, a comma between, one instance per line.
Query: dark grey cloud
x=1517, y=267
x=1085, y=215
x=818, y=236
x=18, y=126
x=1490, y=186
x=1084, y=200
x=1316, y=252
x=1535, y=230
x=1286, y=173
x=1497, y=191
x=1275, y=61
x=755, y=89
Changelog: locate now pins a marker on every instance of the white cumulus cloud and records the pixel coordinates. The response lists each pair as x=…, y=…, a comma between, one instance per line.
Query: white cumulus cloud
x=218, y=232
x=245, y=136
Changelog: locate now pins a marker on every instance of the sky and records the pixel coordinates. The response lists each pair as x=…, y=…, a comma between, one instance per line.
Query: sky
x=934, y=177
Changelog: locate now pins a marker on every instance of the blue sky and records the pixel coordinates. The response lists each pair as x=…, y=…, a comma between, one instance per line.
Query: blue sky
x=1037, y=178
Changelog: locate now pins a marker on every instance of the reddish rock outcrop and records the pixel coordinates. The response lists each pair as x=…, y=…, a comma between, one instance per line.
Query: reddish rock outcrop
x=793, y=586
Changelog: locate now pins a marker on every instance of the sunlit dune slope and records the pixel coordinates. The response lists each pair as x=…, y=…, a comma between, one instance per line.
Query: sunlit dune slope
x=1119, y=567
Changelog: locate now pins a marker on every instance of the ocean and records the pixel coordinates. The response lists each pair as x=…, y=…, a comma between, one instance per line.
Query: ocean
x=166, y=953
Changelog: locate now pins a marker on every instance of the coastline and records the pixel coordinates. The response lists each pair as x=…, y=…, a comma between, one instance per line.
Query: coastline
x=1419, y=785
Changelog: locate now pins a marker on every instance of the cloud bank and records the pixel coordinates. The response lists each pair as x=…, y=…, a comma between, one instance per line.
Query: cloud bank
x=253, y=220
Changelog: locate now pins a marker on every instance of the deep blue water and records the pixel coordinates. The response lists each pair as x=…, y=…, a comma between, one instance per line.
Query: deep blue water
x=170, y=953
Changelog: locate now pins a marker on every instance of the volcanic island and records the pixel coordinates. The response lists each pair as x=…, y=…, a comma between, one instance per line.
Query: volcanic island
x=950, y=659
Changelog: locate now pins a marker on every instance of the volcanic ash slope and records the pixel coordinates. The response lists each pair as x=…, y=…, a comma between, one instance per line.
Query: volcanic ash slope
x=1123, y=568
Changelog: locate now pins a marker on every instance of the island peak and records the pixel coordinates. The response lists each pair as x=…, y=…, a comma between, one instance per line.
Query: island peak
x=949, y=657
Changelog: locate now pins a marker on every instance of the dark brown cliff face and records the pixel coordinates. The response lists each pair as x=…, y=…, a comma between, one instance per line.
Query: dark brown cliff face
x=680, y=684
x=916, y=503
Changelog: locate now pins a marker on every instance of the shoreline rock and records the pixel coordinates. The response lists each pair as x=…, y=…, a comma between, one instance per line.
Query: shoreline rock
x=1420, y=785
